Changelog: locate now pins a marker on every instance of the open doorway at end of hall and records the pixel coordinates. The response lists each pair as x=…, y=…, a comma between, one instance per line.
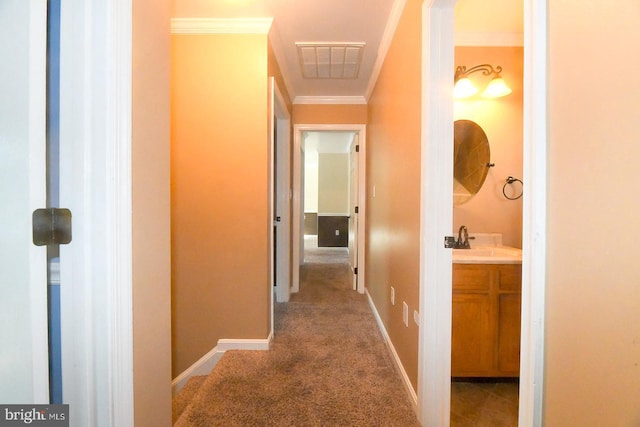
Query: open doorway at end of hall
x=329, y=195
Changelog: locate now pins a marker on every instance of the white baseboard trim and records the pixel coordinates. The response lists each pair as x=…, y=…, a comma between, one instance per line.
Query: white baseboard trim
x=413, y=397
x=203, y=366
x=206, y=363
x=245, y=344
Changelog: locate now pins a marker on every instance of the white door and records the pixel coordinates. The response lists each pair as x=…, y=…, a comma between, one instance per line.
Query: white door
x=353, y=210
x=24, y=374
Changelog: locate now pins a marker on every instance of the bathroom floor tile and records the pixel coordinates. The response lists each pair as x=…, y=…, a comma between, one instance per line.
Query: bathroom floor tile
x=484, y=403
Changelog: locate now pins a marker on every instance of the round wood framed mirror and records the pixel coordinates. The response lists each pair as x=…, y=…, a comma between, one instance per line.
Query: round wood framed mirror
x=471, y=160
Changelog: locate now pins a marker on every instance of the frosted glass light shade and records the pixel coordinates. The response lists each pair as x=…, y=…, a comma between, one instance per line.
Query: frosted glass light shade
x=497, y=88
x=464, y=88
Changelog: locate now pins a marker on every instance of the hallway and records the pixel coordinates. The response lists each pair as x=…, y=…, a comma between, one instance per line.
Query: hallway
x=328, y=364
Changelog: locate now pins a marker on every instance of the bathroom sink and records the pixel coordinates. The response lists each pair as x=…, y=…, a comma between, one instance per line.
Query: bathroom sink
x=474, y=252
x=488, y=254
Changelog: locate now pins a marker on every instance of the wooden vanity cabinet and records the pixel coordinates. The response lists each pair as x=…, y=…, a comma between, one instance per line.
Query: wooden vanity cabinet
x=485, y=339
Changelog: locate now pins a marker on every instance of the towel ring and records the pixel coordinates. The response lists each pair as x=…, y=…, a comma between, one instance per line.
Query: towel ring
x=511, y=180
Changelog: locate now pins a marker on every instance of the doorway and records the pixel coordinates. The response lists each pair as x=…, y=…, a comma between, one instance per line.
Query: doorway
x=435, y=297
x=485, y=371
x=53, y=184
x=354, y=215
x=90, y=382
x=281, y=196
x=330, y=194
x=280, y=206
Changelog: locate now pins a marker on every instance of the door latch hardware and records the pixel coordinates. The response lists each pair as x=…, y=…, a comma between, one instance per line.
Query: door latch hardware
x=51, y=226
x=449, y=242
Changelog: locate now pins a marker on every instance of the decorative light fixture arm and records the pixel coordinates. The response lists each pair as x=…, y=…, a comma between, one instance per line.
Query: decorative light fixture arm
x=464, y=87
x=487, y=70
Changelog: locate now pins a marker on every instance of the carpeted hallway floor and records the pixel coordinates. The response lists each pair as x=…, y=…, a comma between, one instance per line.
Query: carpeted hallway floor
x=328, y=364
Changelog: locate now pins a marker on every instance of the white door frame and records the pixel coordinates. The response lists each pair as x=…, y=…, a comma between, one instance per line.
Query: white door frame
x=436, y=214
x=354, y=163
x=534, y=222
x=95, y=183
x=281, y=166
x=434, y=382
x=298, y=223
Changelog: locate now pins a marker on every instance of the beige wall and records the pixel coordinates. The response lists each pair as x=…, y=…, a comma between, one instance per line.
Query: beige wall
x=501, y=119
x=220, y=181
x=151, y=214
x=592, y=354
x=333, y=183
x=393, y=167
x=329, y=114
x=310, y=181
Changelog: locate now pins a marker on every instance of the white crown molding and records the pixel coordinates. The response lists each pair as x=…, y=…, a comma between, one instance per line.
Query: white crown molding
x=385, y=43
x=221, y=26
x=346, y=100
x=488, y=39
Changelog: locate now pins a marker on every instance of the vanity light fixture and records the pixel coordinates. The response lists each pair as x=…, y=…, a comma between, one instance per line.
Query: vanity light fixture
x=464, y=88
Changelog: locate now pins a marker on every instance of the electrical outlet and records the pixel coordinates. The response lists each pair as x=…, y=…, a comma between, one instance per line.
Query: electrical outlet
x=393, y=296
x=337, y=232
x=405, y=313
x=416, y=317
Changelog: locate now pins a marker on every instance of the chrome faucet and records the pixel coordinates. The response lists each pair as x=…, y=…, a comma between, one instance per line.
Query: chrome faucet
x=463, y=244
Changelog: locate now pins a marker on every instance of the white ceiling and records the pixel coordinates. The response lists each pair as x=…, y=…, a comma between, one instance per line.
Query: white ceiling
x=352, y=21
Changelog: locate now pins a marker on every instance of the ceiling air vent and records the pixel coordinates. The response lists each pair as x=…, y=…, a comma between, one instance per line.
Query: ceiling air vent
x=330, y=60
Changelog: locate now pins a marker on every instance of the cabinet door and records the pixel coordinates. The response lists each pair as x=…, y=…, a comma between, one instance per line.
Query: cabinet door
x=509, y=334
x=473, y=335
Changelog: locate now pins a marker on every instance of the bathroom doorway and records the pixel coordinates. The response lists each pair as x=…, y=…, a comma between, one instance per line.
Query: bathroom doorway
x=486, y=299
x=434, y=382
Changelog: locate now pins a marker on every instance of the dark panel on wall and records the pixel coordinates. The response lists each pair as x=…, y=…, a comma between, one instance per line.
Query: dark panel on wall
x=333, y=231
x=310, y=223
